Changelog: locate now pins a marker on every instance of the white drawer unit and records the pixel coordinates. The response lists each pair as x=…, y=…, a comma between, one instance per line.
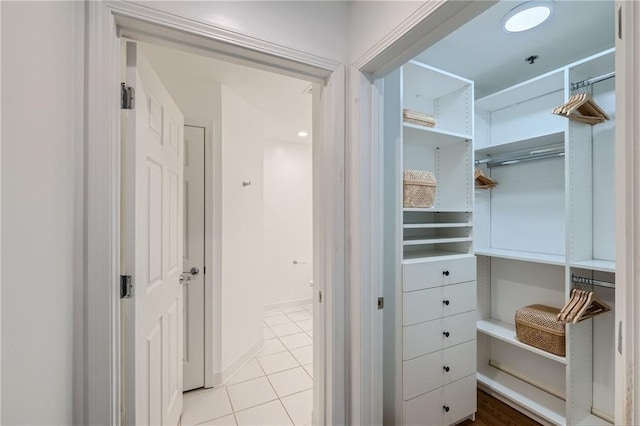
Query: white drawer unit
x=444, y=406
x=417, y=276
x=429, y=372
x=426, y=305
x=424, y=338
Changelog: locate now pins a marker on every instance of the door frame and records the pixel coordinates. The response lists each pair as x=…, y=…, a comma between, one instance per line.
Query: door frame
x=105, y=25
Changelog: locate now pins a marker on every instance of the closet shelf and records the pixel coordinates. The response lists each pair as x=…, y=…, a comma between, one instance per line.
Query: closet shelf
x=539, y=402
x=530, y=144
x=420, y=241
x=549, y=259
x=435, y=210
x=592, y=420
x=420, y=256
x=437, y=131
x=437, y=225
x=595, y=265
x=507, y=333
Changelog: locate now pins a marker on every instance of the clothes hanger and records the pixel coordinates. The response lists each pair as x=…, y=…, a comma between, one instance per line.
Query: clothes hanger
x=592, y=307
x=582, y=303
x=483, y=181
x=573, y=301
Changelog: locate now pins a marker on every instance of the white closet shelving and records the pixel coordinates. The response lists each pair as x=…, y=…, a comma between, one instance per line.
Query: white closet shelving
x=430, y=306
x=547, y=219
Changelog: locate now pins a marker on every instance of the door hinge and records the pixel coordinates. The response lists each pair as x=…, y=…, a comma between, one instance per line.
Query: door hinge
x=380, y=302
x=127, y=97
x=620, y=22
x=126, y=287
x=320, y=296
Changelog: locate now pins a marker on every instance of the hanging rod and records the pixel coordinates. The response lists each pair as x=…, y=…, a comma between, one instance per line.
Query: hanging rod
x=591, y=281
x=514, y=158
x=588, y=82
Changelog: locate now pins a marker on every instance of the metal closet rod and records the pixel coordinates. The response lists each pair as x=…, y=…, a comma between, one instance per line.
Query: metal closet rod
x=588, y=82
x=591, y=281
x=534, y=154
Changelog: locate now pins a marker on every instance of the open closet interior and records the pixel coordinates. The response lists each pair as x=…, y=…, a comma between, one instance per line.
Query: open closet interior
x=516, y=130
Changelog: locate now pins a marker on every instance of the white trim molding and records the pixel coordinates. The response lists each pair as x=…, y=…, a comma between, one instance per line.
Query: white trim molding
x=627, y=373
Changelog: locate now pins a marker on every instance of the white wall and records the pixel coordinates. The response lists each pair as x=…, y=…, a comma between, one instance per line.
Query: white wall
x=288, y=222
x=320, y=28
x=41, y=207
x=242, y=228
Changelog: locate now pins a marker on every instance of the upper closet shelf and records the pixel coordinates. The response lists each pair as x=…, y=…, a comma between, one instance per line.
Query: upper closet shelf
x=595, y=265
x=434, y=210
x=437, y=131
x=549, y=259
x=520, y=145
x=420, y=256
x=437, y=225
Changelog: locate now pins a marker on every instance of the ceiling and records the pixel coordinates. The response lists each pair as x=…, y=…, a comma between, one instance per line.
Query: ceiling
x=481, y=51
x=283, y=100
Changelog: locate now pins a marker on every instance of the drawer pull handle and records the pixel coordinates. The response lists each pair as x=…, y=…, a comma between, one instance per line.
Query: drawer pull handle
x=445, y=334
x=445, y=273
x=446, y=369
x=445, y=408
x=446, y=302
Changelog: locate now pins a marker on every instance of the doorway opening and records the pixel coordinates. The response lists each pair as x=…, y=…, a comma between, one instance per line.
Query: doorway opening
x=246, y=230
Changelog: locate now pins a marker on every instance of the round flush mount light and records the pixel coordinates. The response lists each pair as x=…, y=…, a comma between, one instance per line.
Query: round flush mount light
x=303, y=134
x=527, y=16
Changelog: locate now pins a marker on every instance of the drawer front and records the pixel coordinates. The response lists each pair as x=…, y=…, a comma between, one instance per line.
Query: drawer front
x=459, y=361
x=459, y=328
x=425, y=410
x=460, y=397
x=421, y=306
x=421, y=375
x=417, y=276
x=458, y=298
x=424, y=338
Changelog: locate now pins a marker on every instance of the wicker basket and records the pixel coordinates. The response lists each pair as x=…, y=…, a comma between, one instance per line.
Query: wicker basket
x=419, y=189
x=419, y=118
x=536, y=325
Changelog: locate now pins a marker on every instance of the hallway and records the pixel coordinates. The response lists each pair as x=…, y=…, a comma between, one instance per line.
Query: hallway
x=274, y=388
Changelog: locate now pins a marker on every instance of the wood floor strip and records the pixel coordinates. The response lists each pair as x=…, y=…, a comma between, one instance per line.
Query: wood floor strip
x=492, y=412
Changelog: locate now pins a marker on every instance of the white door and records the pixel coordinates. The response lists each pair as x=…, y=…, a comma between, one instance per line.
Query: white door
x=152, y=243
x=193, y=290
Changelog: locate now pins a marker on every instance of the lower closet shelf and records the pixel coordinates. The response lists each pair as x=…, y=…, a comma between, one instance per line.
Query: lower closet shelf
x=507, y=333
x=532, y=399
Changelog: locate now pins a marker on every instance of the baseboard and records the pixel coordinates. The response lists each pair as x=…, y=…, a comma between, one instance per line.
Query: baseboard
x=287, y=304
x=221, y=377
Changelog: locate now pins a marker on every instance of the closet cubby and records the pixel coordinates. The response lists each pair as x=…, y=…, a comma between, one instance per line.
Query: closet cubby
x=550, y=216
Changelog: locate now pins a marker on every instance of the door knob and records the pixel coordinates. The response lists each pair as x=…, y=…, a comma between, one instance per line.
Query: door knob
x=193, y=271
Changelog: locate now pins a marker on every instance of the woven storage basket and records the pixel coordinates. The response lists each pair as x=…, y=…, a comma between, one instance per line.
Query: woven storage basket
x=419, y=188
x=419, y=118
x=536, y=325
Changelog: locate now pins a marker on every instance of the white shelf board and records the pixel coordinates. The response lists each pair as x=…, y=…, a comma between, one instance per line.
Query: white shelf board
x=520, y=145
x=549, y=259
x=441, y=83
x=420, y=241
x=507, y=333
x=592, y=420
x=596, y=265
x=419, y=256
x=437, y=131
x=437, y=225
x=537, y=401
x=435, y=210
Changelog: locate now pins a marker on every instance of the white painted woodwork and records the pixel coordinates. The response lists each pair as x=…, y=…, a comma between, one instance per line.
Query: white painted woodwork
x=153, y=248
x=423, y=338
x=429, y=409
x=193, y=256
x=434, y=274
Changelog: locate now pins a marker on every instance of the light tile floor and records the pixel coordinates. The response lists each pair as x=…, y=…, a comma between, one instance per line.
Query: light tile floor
x=274, y=388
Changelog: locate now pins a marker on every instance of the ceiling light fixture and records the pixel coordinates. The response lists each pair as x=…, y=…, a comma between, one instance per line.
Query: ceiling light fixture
x=527, y=16
x=303, y=134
